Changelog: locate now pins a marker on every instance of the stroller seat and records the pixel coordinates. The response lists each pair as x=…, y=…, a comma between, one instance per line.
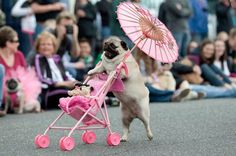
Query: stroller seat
x=76, y=106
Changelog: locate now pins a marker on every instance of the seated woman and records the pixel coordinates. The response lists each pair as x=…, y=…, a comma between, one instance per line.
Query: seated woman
x=157, y=93
x=221, y=58
x=20, y=98
x=210, y=72
x=51, y=72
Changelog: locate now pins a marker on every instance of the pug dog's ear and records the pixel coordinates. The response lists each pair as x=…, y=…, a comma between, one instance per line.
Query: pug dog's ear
x=124, y=45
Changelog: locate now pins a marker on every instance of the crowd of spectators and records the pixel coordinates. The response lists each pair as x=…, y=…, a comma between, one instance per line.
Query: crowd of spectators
x=62, y=40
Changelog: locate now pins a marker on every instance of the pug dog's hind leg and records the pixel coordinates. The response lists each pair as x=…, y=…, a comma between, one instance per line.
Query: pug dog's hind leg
x=144, y=116
x=126, y=121
x=21, y=103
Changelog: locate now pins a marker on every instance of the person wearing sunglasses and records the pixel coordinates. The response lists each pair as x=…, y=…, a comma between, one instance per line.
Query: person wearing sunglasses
x=10, y=56
x=15, y=67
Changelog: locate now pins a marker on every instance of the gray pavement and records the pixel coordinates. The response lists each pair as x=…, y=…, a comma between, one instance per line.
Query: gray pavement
x=193, y=128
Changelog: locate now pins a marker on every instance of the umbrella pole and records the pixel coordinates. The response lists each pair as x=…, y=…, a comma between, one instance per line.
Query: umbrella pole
x=127, y=54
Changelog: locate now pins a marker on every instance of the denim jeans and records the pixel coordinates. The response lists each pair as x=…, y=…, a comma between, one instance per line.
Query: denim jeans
x=214, y=92
x=182, y=39
x=38, y=30
x=157, y=95
x=214, y=75
x=2, y=72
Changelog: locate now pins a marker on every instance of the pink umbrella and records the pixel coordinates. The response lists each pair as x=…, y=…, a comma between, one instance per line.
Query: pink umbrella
x=147, y=32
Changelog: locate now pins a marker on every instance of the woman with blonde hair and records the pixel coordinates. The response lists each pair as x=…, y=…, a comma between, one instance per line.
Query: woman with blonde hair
x=55, y=79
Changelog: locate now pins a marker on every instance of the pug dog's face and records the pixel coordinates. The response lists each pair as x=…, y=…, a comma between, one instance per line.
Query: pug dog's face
x=114, y=47
x=12, y=85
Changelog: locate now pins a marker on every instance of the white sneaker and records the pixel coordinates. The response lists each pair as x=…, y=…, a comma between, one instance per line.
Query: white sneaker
x=180, y=94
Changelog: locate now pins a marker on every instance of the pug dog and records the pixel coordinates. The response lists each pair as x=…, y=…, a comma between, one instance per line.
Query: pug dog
x=135, y=97
x=18, y=104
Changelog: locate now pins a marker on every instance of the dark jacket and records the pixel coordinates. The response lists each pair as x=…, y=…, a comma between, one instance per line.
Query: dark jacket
x=224, y=22
x=86, y=25
x=104, y=8
x=44, y=72
x=177, y=19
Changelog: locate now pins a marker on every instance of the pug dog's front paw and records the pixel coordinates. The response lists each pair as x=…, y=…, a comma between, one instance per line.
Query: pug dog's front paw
x=91, y=72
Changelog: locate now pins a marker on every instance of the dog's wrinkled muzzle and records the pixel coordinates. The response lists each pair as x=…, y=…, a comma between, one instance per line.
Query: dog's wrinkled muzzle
x=110, y=50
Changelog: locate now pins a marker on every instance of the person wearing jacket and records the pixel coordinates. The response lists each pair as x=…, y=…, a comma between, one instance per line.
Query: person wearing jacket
x=178, y=13
x=50, y=70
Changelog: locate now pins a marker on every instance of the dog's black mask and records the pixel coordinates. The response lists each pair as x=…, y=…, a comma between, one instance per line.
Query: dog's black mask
x=111, y=49
x=12, y=84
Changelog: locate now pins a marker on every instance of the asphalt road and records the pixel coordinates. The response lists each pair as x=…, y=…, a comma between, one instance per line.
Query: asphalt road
x=194, y=128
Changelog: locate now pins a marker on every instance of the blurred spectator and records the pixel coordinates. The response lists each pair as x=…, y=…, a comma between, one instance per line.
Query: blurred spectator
x=2, y=72
x=209, y=70
x=232, y=50
x=198, y=21
x=221, y=58
x=162, y=13
x=104, y=8
x=66, y=4
x=115, y=25
x=178, y=13
x=116, y=30
x=45, y=10
x=192, y=46
x=214, y=92
x=10, y=57
x=224, y=19
x=186, y=70
x=51, y=72
x=223, y=36
x=85, y=58
x=85, y=12
x=15, y=67
x=148, y=68
x=66, y=33
x=2, y=18
x=13, y=22
x=212, y=21
x=23, y=10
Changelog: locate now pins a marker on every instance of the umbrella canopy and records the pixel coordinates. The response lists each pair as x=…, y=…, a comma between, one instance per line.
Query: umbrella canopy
x=147, y=32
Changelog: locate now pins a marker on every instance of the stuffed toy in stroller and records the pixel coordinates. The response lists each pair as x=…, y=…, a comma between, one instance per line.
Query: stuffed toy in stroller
x=81, y=89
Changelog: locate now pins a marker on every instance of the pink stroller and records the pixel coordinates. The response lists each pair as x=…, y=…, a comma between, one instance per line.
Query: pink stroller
x=84, y=109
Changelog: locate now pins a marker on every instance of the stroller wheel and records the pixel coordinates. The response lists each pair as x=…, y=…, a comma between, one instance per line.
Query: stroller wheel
x=66, y=143
x=42, y=141
x=60, y=144
x=88, y=137
x=36, y=140
x=113, y=139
